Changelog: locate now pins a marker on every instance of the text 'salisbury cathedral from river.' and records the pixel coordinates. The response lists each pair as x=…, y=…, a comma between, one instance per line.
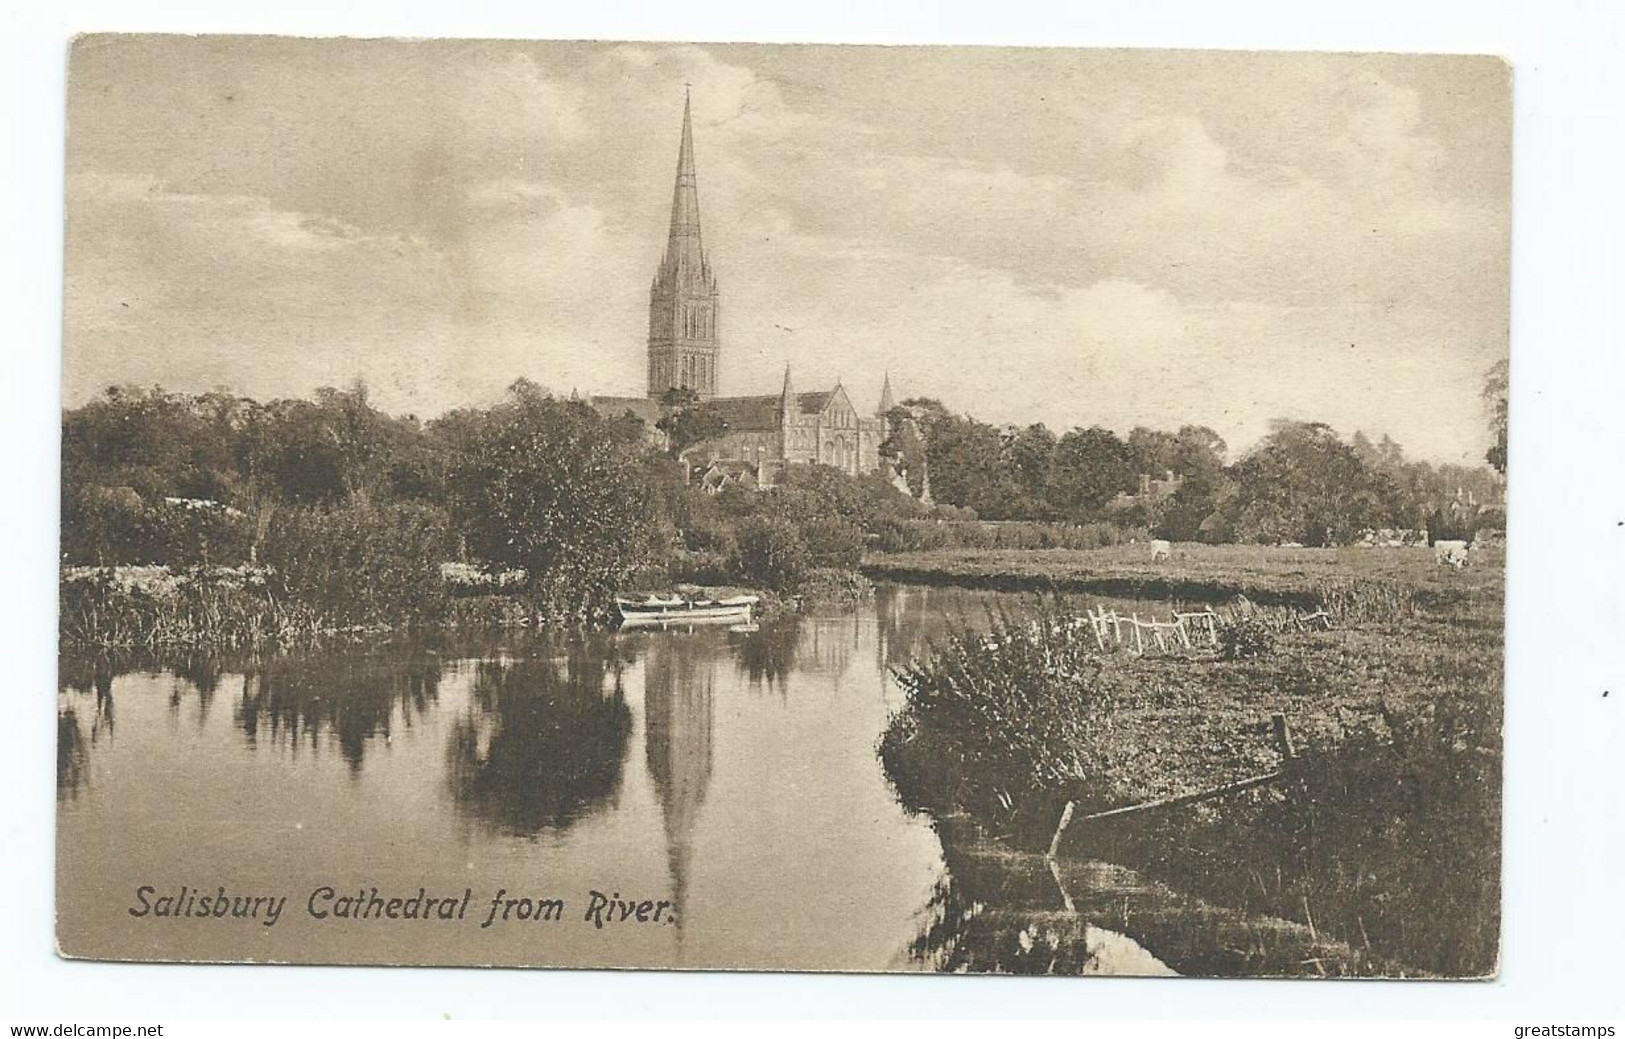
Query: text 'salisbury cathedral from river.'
x=763, y=434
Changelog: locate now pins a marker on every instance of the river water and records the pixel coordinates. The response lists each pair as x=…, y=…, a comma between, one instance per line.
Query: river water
x=730, y=775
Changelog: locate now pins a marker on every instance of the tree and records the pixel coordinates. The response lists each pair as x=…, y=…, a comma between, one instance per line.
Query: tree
x=1091, y=467
x=966, y=460
x=1151, y=451
x=686, y=420
x=1496, y=386
x=1196, y=454
x=1304, y=484
x=543, y=486
x=1028, y=454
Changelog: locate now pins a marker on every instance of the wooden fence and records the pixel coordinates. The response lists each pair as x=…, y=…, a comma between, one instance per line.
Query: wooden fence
x=1188, y=630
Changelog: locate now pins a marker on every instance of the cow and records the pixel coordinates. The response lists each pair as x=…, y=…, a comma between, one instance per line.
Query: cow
x=1161, y=550
x=1450, y=553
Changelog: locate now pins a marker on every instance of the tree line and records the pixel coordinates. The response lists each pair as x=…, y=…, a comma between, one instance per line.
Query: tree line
x=1302, y=483
x=355, y=510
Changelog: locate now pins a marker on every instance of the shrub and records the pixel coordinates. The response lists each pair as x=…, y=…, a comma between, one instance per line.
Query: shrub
x=772, y=552
x=1244, y=637
x=832, y=543
x=920, y=535
x=1000, y=724
x=362, y=565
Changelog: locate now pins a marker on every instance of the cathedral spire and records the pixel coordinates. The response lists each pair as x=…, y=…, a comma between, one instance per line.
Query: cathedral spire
x=683, y=305
x=786, y=398
x=683, y=245
x=886, y=403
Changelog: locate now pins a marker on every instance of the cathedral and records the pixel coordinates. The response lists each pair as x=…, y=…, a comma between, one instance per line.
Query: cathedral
x=760, y=435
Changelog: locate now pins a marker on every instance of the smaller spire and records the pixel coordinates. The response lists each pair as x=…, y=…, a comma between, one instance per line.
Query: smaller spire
x=886, y=403
x=787, y=397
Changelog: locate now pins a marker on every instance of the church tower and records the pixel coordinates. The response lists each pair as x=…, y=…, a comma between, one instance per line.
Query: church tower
x=683, y=308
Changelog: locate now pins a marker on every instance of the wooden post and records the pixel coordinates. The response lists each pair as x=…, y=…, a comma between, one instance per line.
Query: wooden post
x=1283, y=739
x=1139, y=642
x=1060, y=828
x=1184, y=636
x=1066, y=897
x=1095, y=626
x=1175, y=802
x=1156, y=632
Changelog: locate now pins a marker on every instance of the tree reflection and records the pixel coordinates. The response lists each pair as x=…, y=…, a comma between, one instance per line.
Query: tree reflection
x=544, y=742
x=72, y=753
x=73, y=746
x=769, y=655
x=292, y=701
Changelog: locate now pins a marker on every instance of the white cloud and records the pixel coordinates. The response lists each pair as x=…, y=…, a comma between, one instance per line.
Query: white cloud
x=1119, y=246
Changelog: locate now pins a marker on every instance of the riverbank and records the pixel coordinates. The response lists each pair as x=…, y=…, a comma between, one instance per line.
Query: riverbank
x=247, y=608
x=1388, y=841
x=1196, y=573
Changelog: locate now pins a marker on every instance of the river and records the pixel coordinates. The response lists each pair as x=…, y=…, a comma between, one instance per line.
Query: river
x=731, y=775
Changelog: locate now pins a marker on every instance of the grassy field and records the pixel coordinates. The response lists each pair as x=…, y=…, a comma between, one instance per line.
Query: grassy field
x=1213, y=573
x=1389, y=843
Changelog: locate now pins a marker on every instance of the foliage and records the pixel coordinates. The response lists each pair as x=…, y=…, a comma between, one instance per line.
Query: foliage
x=1244, y=637
x=1303, y=484
x=1496, y=385
x=772, y=552
x=1002, y=720
x=106, y=526
x=363, y=564
x=686, y=420
x=923, y=535
x=540, y=485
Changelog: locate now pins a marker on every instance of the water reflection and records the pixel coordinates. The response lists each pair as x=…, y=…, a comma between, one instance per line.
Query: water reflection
x=543, y=742
x=293, y=702
x=485, y=761
x=768, y=656
x=994, y=910
x=678, y=710
x=80, y=678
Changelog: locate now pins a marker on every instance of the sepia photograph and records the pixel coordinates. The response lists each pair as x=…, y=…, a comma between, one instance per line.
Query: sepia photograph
x=957, y=509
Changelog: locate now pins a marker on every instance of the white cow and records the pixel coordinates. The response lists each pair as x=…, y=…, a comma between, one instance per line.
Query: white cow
x=1450, y=553
x=1161, y=550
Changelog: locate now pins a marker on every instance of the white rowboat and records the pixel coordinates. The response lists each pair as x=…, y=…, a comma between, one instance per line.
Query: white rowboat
x=675, y=611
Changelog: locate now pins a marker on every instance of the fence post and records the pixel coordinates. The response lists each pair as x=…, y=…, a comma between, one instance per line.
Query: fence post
x=1283, y=739
x=1060, y=828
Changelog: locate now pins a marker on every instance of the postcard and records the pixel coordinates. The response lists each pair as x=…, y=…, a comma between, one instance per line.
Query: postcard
x=813, y=508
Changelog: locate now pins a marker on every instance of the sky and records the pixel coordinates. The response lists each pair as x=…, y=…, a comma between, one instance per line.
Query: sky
x=1077, y=237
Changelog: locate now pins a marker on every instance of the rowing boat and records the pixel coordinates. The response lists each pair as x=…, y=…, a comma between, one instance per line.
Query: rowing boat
x=674, y=610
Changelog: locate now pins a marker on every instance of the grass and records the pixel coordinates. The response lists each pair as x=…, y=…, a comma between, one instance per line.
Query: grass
x=1390, y=845
x=1374, y=582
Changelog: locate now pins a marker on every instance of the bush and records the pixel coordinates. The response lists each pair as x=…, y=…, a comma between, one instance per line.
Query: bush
x=998, y=724
x=772, y=552
x=1244, y=637
x=108, y=526
x=921, y=535
x=362, y=565
x=832, y=543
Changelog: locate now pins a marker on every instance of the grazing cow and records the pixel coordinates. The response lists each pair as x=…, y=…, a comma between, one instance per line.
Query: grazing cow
x=1161, y=550
x=1450, y=553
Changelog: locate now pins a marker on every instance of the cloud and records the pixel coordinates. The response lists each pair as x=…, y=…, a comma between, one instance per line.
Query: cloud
x=1115, y=237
